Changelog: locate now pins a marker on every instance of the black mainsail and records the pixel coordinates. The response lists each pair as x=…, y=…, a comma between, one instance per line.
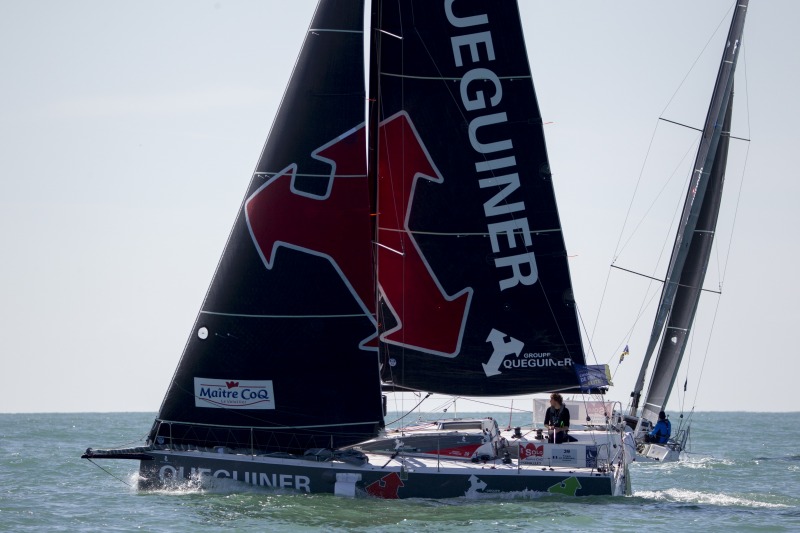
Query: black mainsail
x=693, y=242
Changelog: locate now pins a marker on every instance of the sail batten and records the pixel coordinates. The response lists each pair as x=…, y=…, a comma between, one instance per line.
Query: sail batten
x=310, y=315
x=469, y=234
x=308, y=175
x=334, y=30
x=453, y=78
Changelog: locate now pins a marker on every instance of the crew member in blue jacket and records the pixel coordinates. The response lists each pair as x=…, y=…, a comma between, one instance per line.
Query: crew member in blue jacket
x=661, y=432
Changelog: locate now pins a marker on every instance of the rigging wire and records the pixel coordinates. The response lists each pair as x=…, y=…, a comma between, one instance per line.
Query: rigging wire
x=724, y=18
x=619, y=248
x=692, y=148
x=622, y=230
x=705, y=357
x=629, y=333
x=110, y=473
x=744, y=168
x=409, y=411
x=645, y=302
x=555, y=320
x=589, y=339
x=498, y=406
x=682, y=397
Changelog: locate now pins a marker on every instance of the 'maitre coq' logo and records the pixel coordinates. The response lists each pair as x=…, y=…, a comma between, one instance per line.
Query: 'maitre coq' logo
x=233, y=394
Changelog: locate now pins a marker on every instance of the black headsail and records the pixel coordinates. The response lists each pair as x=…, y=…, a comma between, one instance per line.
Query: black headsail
x=280, y=357
x=695, y=236
x=475, y=291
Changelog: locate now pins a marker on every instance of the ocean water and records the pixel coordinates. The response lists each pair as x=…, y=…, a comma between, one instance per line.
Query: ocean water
x=743, y=475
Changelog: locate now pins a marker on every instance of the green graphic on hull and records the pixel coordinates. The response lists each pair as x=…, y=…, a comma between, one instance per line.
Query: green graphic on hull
x=569, y=487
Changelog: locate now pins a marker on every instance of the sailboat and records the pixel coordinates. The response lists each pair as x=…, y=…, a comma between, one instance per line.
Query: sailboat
x=683, y=283
x=398, y=231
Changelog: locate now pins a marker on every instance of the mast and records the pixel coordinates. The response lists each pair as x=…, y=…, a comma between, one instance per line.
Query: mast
x=692, y=247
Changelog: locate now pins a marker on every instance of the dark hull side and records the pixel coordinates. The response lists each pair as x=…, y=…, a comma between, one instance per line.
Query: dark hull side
x=417, y=479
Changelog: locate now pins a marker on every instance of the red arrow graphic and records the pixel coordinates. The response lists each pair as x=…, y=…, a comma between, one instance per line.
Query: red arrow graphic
x=335, y=226
x=387, y=487
x=428, y=319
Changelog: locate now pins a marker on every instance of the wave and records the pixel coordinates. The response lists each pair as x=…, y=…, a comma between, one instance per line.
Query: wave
x=781, y=458
x=688, y=460
x=209, y=485
x=697, y=460
x=708, y=498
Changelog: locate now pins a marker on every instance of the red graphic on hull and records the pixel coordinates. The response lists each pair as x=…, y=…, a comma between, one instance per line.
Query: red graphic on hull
x=386, y=487
x=428, y=319
x=531, y=450
x=460, y=451
x=336, y=226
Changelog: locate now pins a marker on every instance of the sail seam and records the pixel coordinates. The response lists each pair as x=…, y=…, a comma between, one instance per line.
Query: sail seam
x=298, y=174
x=312, y=30
x=450, y=78
x=464, y=233
x=284, y=316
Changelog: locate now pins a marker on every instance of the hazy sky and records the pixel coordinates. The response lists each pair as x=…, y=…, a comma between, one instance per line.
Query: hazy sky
x=128, y=132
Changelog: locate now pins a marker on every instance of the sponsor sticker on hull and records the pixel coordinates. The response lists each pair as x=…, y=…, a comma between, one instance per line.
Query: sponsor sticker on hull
x=233, y=394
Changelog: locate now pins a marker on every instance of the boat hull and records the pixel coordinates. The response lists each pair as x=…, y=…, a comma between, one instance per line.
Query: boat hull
x=382, y=477
x=660, y=453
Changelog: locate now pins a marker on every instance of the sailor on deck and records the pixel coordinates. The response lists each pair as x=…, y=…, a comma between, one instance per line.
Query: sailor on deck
x=662, y=431
x=557, y=419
